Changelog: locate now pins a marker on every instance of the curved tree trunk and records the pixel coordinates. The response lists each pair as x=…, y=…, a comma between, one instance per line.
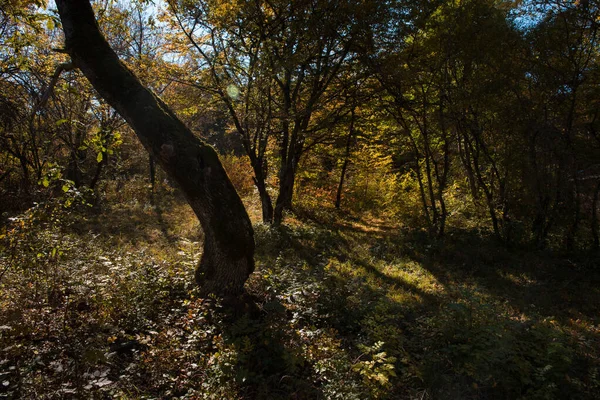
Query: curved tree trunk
x=228, y=257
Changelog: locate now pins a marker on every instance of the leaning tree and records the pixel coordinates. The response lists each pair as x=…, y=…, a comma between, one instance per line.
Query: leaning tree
x=228, y=257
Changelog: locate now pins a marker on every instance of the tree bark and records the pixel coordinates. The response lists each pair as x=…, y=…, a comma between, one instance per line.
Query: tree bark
x=265, y=198
x=259, y=166
x=228, y=257
x=152, y=168
x=338, y=195
x=286, y=193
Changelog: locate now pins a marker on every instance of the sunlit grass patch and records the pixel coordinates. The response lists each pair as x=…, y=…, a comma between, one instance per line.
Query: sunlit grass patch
x=413, y=273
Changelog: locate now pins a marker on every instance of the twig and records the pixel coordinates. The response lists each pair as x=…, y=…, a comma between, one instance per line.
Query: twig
x=48, y=91
x=4, y=271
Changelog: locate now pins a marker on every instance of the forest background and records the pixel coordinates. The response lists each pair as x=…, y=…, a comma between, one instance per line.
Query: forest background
x=423, y=179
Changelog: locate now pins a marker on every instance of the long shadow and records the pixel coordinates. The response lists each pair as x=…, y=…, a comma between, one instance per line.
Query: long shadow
x=465, y=262
x=267, y=365
x=342, y=251
x=547, y=283
x=273, y=367
x=279, y=371
x=536, y=281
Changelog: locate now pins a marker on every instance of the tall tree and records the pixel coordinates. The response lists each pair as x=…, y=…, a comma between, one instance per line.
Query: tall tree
x=563, y=80
x=281, y=59
x=228, y=61
x=228, y=257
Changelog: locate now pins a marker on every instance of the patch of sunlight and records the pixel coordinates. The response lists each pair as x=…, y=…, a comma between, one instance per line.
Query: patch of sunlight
x=345, y=268
x=401, y=296
x=414, y=274
x=520, y=279
x=582, y=324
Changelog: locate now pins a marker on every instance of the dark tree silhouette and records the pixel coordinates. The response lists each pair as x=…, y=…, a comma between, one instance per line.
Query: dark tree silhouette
x=228, y=257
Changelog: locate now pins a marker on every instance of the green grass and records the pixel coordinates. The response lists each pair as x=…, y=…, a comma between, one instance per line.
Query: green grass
x=101, y=304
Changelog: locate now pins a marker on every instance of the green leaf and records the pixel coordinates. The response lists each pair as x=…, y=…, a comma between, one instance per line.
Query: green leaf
x=99, y=158
x=61, y=121
x=65, y=188
x=45, y=182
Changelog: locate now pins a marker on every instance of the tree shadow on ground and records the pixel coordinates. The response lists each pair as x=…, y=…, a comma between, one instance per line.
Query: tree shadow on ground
x=545, y=281
x=466, y=339
x=542, y=282
x=334, y=279
x=268, y=362
x=313, y=297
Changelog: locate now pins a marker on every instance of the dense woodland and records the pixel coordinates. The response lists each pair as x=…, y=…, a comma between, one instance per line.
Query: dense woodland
x=405, y=202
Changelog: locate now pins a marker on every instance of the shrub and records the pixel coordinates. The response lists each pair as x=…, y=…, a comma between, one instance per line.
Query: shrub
x=240, y=173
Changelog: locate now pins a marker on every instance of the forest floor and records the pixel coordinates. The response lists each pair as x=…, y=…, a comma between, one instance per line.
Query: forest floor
x=100, y=303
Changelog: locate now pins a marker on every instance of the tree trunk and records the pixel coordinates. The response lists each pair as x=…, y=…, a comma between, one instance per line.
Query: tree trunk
x=260, y=176
x=286, y=192
x=228, y=257
x=338, y=195
x=152, y=168
x=465, y=157
x=266, y=203
x=26, y=180
x=99, y=168
x=572, y=232
x=265, y=200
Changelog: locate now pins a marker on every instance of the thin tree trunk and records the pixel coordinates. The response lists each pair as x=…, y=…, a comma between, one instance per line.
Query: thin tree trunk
x=266, y=204
x=259, y=167
x=338, y=196
x=489, y=200
x=228, y=257
x=428, y=160
x=442, y=178
x=152, y=168
x=420, y=180
x=73, y=169
x=572, y=232
x=99, y=168
x=26, y=181
x=465, y=157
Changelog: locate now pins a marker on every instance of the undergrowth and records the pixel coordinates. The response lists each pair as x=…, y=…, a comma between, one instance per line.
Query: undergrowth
x=99, y=303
